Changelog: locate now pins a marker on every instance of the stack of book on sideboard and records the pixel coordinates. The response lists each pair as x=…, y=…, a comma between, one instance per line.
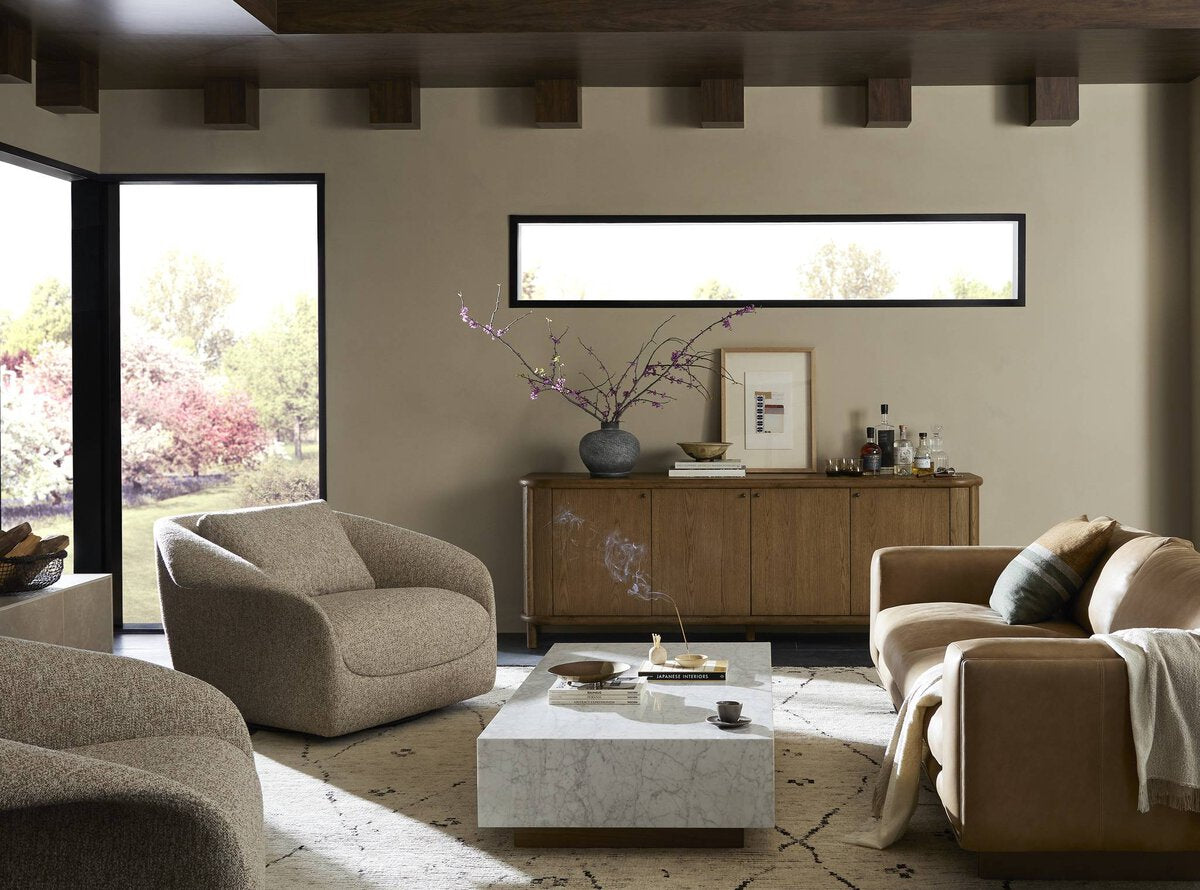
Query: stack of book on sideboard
x=618, y=691
x=707, y=469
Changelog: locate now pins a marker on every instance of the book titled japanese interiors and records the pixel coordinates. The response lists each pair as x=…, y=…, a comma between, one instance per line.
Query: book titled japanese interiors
x=619, y=691
x=713, y=670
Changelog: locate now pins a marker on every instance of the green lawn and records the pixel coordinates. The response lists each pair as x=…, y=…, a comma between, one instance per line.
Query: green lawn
x=137, y=530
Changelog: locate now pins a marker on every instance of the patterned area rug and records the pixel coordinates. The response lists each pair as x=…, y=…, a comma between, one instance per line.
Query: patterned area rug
x=395, y=807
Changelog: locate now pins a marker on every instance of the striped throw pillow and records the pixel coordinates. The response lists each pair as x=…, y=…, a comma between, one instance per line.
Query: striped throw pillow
x=1047, y=574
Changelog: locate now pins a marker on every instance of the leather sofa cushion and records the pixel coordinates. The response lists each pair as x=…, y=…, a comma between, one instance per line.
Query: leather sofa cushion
x=302, y=547
x=389, y=631
x=911, y=638
x=1121, y=536
x=1149, y=582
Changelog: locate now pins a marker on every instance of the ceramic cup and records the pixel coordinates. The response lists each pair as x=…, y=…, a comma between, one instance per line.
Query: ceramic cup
x=729, y=711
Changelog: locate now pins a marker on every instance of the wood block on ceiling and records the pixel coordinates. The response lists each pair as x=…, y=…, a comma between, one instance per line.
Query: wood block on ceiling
x=16, y=53
x=722, y=102
x=558, y=103
x=230, y=103
x=395, y=104
x=68, y=86
x=889, y=102
x=1053, y=101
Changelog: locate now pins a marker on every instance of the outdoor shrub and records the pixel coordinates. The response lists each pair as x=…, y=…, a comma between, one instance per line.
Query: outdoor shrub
x=279, y=482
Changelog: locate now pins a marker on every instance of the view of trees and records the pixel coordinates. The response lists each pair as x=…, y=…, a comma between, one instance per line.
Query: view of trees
x=849, y=273
x=715, y=290
x=195, y=399
x=962, y=288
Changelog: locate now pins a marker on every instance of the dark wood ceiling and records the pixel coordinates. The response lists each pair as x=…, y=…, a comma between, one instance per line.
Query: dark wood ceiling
x=298, y=43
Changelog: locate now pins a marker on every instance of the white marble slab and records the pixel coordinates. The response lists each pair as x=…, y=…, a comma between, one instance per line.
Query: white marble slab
x=659, y=764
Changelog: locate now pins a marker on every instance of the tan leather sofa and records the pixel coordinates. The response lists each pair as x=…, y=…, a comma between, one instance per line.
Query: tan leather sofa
x=1031, y=750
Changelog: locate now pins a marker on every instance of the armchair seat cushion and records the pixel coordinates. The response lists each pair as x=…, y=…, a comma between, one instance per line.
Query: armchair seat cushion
x=388, y=631
x=913, y=637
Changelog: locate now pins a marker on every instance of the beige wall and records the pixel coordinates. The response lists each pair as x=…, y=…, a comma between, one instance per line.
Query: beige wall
x=1078, y=402
x=72, y=138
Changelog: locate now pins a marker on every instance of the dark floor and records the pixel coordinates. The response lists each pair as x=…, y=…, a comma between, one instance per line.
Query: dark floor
x=787, y=649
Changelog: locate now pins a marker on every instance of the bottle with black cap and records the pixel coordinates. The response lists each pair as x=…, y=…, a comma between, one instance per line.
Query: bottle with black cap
x=887, y=441
x=870, y=454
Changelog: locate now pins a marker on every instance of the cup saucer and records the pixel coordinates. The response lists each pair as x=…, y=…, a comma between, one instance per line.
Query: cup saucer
x=715, y=720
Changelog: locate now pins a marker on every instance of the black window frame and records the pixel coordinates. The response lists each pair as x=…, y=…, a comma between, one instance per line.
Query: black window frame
x=514, y=285
x=96, y=349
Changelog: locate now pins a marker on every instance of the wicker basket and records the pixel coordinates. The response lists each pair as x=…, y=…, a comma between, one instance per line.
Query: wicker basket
x=22, y=574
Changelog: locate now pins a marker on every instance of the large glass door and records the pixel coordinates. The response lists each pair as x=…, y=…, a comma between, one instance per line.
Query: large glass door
x=220, y=358
x=36, y=443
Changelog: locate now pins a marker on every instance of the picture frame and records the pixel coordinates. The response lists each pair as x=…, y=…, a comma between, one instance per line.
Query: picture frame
x=767, y=408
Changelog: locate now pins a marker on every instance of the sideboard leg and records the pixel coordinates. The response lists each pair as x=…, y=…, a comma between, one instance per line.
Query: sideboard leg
x=531, y=636
x=749, y=633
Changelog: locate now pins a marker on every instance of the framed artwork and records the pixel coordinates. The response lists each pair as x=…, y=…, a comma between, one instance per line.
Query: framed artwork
x=860, y=260
x=767, y=408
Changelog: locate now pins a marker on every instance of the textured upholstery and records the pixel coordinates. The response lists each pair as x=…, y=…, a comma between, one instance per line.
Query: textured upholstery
x=1031, y=750
x=116, y=773
x=331, y=664
x=362, y=618
x=303, y=547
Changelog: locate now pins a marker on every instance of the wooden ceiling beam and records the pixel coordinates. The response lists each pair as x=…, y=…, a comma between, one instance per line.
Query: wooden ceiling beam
x=722, y=102
x=230, y=103
x=558, y=103
x=889, y=102
x=394, y=104
x=68, y=86
x=1053, y=101
x=708, y=16
x=16, y=52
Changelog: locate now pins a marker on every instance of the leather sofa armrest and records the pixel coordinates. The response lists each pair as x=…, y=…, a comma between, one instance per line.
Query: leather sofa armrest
x=904, y=575
x=1037, y=744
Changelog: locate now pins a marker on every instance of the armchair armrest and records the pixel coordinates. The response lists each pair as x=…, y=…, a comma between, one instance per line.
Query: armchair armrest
x=1038, y=750
x=55, y=697
x=399, y=557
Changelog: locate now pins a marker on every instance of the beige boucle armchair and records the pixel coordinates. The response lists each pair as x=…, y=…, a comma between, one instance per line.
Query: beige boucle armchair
x=117, y=773
x=424, y=637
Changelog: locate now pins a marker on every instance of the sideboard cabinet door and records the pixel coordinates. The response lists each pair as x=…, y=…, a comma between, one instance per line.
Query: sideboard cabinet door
x=702, y=550
x=892, y=517
x=601, y=549
x=800, y=551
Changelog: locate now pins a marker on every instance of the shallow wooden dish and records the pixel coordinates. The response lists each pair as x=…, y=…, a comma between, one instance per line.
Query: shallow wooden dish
x=704, y=450
x=589, y=671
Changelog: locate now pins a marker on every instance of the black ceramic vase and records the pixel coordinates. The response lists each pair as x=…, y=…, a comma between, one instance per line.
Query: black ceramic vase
x=609, y=452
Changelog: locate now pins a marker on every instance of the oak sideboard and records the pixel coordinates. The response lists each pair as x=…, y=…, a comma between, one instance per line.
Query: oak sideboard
x=767, y=549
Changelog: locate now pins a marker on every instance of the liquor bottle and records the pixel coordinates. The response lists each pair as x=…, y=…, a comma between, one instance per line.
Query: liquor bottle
x=937, y=447
x=904, y=454
x=870, y=454
x=923, y=459
x=887, y=442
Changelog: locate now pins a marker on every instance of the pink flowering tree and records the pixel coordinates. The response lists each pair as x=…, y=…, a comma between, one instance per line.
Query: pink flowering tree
x=663, y=366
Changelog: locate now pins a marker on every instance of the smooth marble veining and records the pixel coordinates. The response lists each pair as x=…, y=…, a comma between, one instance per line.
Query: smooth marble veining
x=659, y=764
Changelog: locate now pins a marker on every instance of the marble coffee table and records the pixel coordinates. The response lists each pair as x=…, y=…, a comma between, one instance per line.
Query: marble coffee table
x=653, y=774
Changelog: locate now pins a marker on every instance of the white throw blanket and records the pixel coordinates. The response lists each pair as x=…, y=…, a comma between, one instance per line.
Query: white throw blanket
x=1164, y=708
x=899, y=780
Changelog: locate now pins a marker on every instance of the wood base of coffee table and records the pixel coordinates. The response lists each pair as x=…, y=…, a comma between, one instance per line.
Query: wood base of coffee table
x=629, y=837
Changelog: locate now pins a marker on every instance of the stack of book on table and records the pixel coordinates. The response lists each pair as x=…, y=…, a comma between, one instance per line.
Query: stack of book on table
x=707, y=469
x=712, y=671
x=618, y=691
